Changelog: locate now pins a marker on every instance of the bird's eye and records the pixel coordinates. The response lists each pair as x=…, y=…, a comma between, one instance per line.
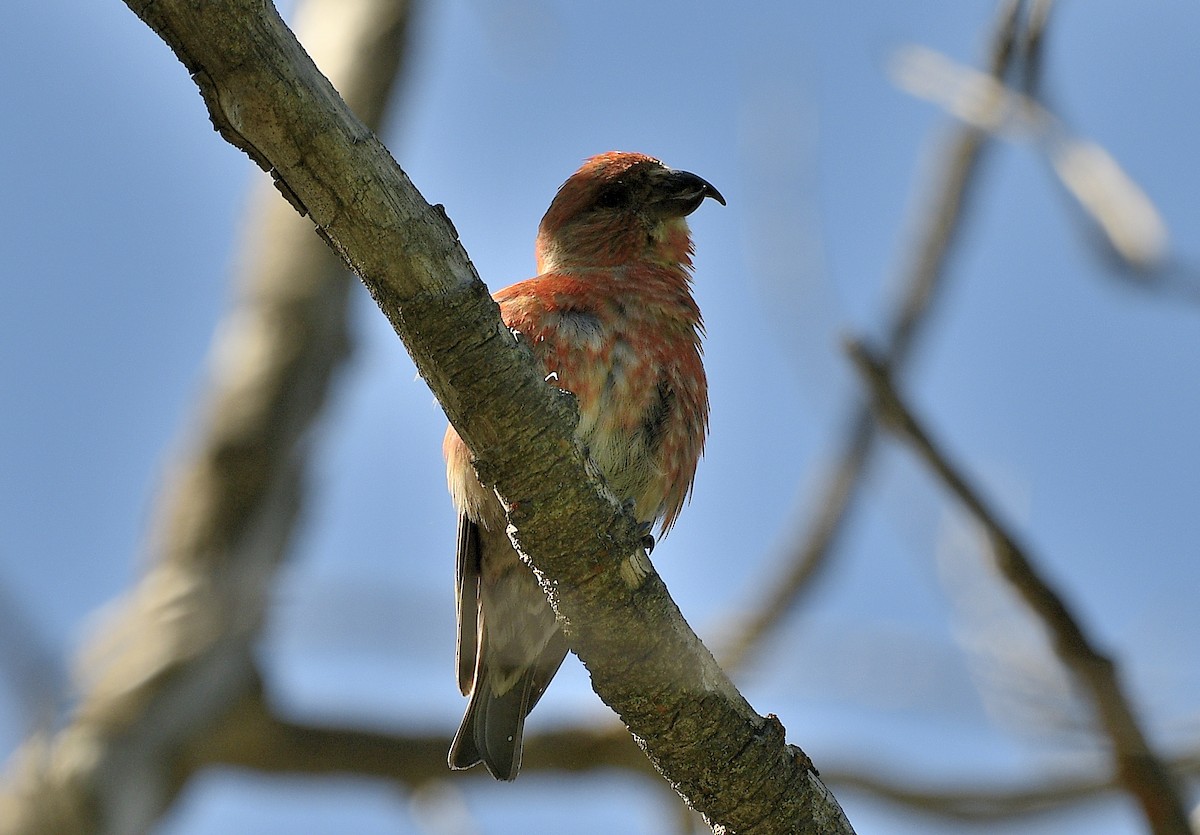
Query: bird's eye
x=613, y=196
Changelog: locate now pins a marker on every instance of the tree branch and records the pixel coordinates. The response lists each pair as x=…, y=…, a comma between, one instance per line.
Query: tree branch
x=1137, y=766
x=984, y=803
x=265, y=96
x=255, y=738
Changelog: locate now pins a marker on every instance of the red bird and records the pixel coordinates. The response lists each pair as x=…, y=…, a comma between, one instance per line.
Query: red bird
x=611, y=318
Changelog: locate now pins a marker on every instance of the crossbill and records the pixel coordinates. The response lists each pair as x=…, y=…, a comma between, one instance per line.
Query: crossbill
x=611, y=318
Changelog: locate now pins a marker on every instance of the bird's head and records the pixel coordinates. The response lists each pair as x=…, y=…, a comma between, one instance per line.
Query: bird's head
x=621, y=208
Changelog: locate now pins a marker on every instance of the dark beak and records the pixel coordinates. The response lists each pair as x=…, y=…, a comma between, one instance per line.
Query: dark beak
x=681, y=192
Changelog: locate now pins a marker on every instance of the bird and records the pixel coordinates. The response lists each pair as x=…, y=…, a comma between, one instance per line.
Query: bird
x=611, y=318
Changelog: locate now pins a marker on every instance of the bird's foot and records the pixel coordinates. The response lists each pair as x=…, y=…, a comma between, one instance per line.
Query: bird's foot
x=647, y=537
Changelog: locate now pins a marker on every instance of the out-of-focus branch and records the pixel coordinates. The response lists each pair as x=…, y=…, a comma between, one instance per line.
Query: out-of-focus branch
x=1137, y=766
x=1117, y=215
x=940, y=221
x=175, y=656
x=1133, y=238
x=1033, y=47
x=990, y=802
x=267, y=98
x=1112, y=202
x=254, y=738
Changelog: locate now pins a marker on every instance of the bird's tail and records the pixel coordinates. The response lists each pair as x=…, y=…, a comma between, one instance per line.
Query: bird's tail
x=509, y=647
x=491, y=728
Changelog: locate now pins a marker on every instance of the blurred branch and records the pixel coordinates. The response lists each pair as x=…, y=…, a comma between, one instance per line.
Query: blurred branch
x=1120, y=216
x=1033, y=47
x=175, y=654
x=940, y=221
x=1094, y=172
x=266, y=98
x=254, y=738
x=1137, y=766
x=989, y=802
x=1108, y=197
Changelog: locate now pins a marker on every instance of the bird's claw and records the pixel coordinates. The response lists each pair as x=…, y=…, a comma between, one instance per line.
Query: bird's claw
x=647, y=537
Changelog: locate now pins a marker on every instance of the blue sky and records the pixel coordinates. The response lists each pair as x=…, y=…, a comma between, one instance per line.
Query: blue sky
x=1068, y=393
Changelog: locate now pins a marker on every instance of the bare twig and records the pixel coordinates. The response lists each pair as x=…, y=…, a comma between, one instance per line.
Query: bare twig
x=940, y=222
x=1033, y=47
x=1119, y=220
x=176, y=654
x=1137, y=766
x=990, y=802
x=1101, y=190
x=1158, y=272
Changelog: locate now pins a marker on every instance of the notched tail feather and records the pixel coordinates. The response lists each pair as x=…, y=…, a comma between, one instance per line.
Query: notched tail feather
x=494, y=722
x=491, y=728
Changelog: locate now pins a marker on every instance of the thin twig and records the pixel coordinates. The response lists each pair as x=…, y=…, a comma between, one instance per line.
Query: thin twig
x=940, y=223
x=1041, y=793
x=1137, y=766
x=1033, y=47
